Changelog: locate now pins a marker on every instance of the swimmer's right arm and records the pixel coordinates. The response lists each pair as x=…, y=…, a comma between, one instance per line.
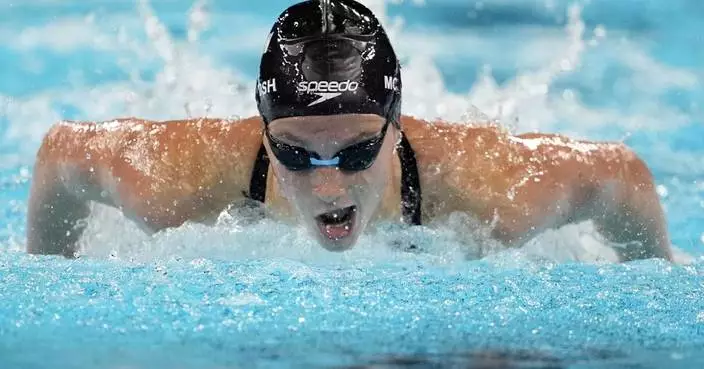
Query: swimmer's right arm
x=54, y=212
x=158, y=174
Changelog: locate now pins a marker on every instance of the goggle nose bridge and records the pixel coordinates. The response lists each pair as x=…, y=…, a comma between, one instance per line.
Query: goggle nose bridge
x=325, y=162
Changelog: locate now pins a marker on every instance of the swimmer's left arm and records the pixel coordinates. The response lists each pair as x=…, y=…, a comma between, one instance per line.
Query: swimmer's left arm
x=555, y=181
x=610, y=185
x=632, y=216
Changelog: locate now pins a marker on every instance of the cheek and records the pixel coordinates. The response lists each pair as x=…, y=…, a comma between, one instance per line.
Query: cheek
x=291, y=183
x=379, y=171
x=300, y=184
x=375, y=178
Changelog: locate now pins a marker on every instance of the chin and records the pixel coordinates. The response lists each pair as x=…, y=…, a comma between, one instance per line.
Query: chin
x=339, y=245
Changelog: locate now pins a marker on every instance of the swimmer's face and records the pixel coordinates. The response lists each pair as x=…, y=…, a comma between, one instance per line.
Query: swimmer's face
x=334, y=202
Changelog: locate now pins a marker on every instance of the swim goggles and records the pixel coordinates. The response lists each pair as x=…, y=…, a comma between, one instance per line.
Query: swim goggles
x=354, y=158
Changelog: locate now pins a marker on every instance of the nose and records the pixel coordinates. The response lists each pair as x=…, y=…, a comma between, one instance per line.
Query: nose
x=328, y=183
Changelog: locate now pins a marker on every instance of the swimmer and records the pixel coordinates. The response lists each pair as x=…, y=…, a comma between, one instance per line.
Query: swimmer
x=331, y=150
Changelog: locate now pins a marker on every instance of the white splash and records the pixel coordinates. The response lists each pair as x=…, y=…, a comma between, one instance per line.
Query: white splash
x=535, y=143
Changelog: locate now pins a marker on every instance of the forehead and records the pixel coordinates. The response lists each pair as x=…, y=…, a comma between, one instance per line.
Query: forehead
x=338, y=126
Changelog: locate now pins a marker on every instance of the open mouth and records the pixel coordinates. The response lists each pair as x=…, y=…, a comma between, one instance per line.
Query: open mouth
x=337, y=224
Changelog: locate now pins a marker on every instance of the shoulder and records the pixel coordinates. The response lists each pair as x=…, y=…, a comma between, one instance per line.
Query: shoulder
x=462, y=166
x=439, y=139
x=495, y=145
x=483, y=162
x=460, y=152
x=119, y=126
x=145, y=144
x=116, y=133
x=589, y=159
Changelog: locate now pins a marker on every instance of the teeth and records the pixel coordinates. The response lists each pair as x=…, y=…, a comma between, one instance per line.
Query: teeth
x=337, y=216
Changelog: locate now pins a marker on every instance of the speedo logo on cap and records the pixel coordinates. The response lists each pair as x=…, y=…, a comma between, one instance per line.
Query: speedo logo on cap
x=326, y=90
x=327, y=86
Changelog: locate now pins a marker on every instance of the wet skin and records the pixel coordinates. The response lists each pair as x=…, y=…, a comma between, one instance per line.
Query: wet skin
x=161, y=174
x=321, y=190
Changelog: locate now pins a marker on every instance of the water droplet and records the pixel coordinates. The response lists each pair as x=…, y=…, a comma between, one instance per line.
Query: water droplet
x=566, y=65
x=599, y=31
x=662, y=190
x=568, y=95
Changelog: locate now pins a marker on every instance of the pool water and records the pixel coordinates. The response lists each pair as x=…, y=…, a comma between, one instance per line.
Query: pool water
x=255, y=293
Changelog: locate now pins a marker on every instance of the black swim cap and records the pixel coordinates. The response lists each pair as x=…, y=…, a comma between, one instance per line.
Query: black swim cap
x=326, y=57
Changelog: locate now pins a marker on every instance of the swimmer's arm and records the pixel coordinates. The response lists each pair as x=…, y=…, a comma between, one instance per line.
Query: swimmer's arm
x=54, y=212
x=611, y=187
x=199, y=168
x=77, y=163
x=632, y=217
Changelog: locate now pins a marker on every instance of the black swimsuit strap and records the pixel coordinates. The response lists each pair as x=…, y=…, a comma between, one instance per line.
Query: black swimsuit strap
x=410, y=181
x=260, y=171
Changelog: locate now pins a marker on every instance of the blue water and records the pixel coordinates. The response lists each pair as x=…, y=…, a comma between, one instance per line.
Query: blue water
x=261, y=294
